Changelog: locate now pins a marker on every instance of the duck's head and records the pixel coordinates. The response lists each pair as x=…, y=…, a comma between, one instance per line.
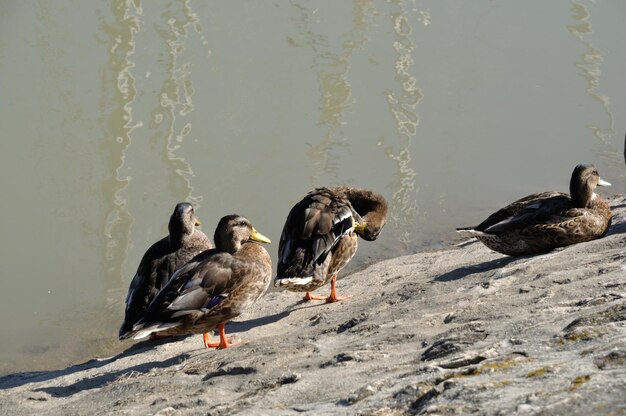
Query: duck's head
x=584, y=181
x=371, y=212
x=183, y=219
x=234, y=230
x=371, y=225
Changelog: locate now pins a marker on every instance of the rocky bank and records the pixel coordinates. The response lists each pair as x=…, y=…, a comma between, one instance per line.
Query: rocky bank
x=457, y=331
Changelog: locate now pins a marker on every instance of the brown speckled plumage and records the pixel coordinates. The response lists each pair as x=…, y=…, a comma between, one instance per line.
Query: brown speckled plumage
x=215, y=286
x=320, y=235
x=161, y=260
x=544, y=221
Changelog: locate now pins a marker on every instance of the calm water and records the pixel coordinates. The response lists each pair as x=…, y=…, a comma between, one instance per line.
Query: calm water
x=114, y=111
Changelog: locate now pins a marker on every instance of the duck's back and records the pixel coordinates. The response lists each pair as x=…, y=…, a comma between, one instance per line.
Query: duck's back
x=313, y=227
x=533, y=209
x=212, y=288
x=157, y=265
x=542, y=222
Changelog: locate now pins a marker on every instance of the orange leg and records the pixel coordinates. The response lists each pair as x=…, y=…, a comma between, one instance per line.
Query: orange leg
x=223, y=343
x=333, y=293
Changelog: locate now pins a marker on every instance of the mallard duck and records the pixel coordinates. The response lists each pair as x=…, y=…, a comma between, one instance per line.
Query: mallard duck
x=544, y=221
x=320, y=237
x=214, y=287
x=161, y=260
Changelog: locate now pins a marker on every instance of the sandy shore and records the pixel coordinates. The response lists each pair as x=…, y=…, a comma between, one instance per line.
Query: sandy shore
x=457, y=331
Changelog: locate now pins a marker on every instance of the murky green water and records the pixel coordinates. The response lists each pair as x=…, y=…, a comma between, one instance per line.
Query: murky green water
x=114, y=111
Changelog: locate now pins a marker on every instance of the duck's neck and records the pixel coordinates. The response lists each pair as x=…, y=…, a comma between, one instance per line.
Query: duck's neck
x=581, y=194
x=226, y=242
x=178, y=232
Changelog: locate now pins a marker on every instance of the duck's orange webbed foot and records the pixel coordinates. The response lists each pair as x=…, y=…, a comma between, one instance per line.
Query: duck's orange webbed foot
x=330, y=298
x=333, y=292
x=224, y=341
x=206, y=340
x=311, y=296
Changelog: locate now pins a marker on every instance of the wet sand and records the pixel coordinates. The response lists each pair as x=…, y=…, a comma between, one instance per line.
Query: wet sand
x=456, y=331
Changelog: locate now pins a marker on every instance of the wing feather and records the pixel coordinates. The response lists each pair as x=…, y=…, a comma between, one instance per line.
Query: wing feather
x=313, y=227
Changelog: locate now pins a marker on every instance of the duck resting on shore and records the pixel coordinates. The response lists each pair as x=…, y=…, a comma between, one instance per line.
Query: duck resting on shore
x=161, y=260
x=214, y=287
x=544, y=221
x=320, y=237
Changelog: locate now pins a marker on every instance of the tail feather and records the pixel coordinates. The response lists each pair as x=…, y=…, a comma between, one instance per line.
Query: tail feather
x=292, y=281
x=469, y=231
x=140, y=333
x=125, y=331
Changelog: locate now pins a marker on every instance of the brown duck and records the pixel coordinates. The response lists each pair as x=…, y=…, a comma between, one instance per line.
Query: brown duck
x=214, y=287
x=161, y=260
x=544, y=221
x=320, y=237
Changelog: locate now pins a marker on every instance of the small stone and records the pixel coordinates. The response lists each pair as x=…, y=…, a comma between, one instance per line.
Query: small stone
x=614, y=359
x=526, y=408
x=159, y=401
x=361, y=394
x=166, y=412
x=290, y=378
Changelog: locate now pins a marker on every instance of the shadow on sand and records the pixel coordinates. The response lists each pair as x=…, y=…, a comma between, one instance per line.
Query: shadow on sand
x=244, y=326
x=465, y=271
x=102, y=379
x=19, y=379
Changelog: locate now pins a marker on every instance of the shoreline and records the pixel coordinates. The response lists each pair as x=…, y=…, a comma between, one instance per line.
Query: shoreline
x=449, y=331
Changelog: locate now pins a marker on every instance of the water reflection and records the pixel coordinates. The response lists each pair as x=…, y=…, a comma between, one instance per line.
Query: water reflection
x=334, y=88
x=176, y=97
x=590, y=64
x=118, y=92
x=402, y=104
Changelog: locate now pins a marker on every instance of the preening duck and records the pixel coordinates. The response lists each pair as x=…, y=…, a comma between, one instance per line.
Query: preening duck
x=544, y=221
x=161, y=260
x=320, y=237
x=214, y=287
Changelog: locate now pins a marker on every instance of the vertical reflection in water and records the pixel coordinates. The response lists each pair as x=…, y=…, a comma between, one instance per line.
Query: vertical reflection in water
x=402, y=105
x=118, y=93
x=334, y=87
x=589, y=64
x=176, y=97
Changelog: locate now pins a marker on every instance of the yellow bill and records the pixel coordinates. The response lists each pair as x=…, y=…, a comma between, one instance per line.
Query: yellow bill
x=257, y=236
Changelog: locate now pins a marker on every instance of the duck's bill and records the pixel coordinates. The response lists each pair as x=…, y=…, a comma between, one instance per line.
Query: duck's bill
x=257, y=236
x=360, y=228
x=602, y=182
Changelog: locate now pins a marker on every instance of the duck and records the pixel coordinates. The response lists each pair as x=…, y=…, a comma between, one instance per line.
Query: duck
x=214, y=287
x=320, y=237
x=541, y=222
x=161, y=260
